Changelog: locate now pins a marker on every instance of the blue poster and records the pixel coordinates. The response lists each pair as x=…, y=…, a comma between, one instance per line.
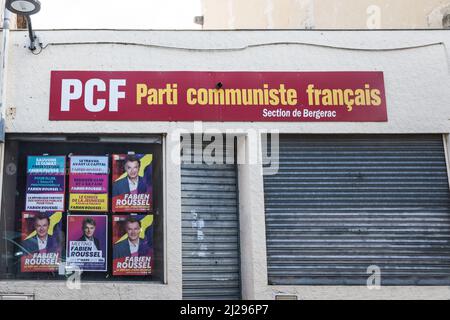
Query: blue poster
x=46, y=178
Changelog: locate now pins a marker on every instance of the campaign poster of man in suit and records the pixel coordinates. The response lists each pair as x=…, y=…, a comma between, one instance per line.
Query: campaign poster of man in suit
x=133, y=244
x=87, y=242
x=42, y=241
x=132, y=183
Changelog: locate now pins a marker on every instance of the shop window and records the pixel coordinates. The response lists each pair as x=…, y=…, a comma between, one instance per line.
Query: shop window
x=82, y=204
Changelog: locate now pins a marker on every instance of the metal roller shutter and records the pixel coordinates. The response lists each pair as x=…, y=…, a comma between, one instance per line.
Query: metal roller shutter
x=210, y=229
x=342, y=203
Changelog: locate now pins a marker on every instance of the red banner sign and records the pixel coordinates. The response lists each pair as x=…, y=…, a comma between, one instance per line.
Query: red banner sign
x=217, y=96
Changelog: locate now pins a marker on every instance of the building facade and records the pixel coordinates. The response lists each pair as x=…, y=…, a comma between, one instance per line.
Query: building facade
x=325, y=14
x=355, y=209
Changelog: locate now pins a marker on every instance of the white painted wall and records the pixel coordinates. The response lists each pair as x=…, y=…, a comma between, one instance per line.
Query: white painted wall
x=415, y=66
x=324, y=14
x=417, y=78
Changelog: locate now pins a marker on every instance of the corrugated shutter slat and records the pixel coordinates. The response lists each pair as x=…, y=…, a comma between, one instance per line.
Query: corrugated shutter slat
x=342, y=203
x=210, y=232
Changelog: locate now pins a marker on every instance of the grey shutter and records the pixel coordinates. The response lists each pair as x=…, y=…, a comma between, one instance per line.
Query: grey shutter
x=210, y=232
x=340, y=204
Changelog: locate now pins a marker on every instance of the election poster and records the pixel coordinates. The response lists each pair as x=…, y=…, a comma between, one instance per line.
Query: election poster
x=41, y=241
x=132, y=183
x=132, y=245
x=87, y=242
x=88, y=183
x=45, y=183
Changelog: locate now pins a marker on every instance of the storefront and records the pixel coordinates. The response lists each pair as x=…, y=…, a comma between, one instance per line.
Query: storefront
x=271, y=164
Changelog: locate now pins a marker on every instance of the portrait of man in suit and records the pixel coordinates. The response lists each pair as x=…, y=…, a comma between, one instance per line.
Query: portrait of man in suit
x=133, y=246
x=42, y=242
x=132, y=183
x=88, y=228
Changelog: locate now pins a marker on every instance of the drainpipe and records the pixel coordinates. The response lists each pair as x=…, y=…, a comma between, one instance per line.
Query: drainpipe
x=4, y=71
x=3, y=81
